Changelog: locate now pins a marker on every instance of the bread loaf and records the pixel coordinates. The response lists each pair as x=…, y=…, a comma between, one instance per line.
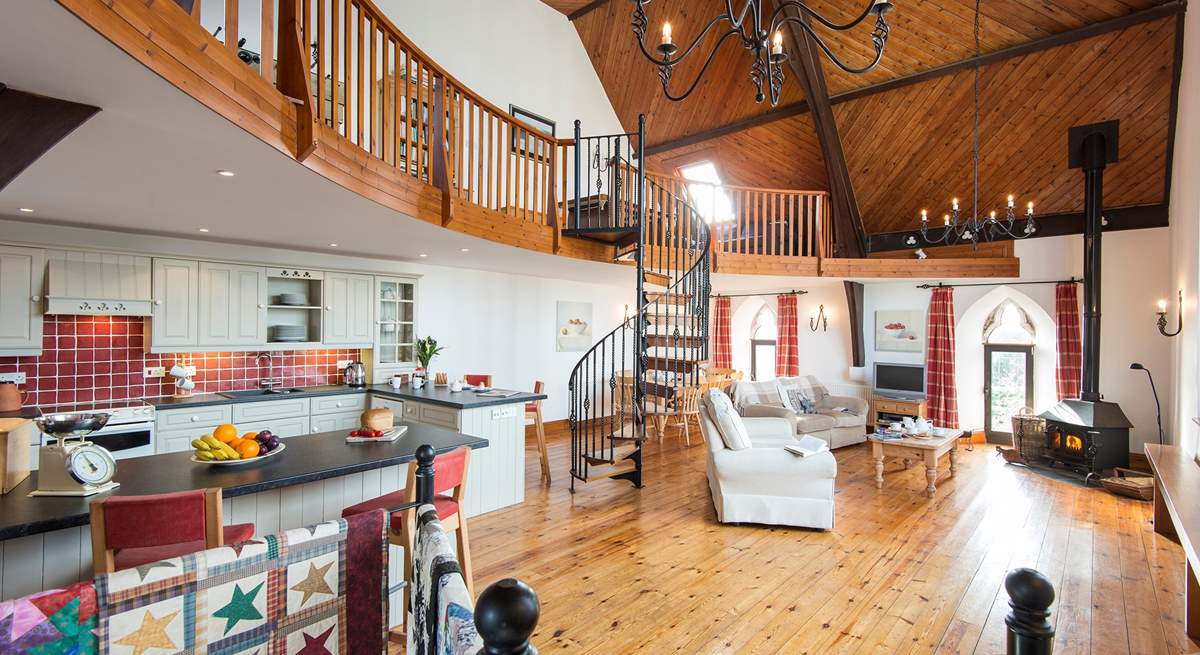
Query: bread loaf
x=378, y=418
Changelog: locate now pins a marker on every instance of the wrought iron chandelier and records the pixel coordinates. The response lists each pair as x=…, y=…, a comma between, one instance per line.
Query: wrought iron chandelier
x=976, y=228
x=764, y=39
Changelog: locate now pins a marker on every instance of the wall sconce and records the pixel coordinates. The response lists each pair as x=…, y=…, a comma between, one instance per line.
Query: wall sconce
x=820, y=320
x=1162, y=317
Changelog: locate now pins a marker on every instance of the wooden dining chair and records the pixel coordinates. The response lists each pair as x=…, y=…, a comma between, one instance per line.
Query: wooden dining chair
x=533, y=411
x=687, y=405
x=129, y=531
x=449, y=488
x=475, y=380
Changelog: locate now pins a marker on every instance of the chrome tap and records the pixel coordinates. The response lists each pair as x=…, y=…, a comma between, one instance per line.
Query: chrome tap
x=269, y=382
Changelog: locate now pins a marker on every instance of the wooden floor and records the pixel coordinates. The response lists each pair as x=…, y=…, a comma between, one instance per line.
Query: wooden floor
x=621, y=570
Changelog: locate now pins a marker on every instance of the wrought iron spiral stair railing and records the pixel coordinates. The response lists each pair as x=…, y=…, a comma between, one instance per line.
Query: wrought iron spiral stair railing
x=631, y=375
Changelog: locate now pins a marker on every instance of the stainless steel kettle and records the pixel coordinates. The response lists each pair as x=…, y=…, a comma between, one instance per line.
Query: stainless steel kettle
x=355, y=375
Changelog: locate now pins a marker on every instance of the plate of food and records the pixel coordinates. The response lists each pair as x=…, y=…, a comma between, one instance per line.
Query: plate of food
x=224, y=448
x=368, y=435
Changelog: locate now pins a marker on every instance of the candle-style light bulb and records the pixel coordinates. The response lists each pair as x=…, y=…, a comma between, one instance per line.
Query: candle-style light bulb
x=924, y=216
x=993, y=216
x=777, y=43
x=946, y=220
x=1162, y=305
x=666, y=33
x=954, y=204
x=1029, y=208
x=1010, y=201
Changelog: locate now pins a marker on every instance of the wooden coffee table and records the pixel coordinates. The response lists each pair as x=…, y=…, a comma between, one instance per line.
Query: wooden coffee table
x=921, y=450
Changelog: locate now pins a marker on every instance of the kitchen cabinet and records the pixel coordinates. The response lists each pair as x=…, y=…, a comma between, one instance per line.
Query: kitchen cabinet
x=351, y=402
x=348, y=309
x=396, y=326
x=282, y=428
x=335, y=422
x=174, y=318
x=89, y=283
x=22, y=274
x=269, y=410
x=397, y=407
x=233, y=303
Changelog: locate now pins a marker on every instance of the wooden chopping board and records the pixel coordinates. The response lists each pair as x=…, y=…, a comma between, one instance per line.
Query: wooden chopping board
x=16, y=437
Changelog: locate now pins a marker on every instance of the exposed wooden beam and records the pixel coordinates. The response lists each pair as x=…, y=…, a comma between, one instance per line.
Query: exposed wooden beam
x=586, y=9
x=1173, y=113
x=30, y=125
x=1175, y=8
x=806, y=66
x=1050, y=225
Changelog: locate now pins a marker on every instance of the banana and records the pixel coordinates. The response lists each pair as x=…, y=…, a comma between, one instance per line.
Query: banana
x=199, y=444
x=205, y=455
x=230, y=453
x=213, y=442
x=218, y=455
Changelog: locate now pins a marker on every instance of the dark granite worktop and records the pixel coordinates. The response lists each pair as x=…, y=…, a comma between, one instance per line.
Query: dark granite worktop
x=307, y=459
x=429, y=394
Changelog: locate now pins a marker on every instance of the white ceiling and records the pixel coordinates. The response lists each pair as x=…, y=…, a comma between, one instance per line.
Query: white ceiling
x=147, y=163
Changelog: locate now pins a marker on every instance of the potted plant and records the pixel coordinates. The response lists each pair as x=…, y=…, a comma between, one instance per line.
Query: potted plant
x=426, y=350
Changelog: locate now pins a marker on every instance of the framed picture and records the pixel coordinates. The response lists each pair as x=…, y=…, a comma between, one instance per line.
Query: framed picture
x=573, y=327
x=520, y=142
x=900, y=330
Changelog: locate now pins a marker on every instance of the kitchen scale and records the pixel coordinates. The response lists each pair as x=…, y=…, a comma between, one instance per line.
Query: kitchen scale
x=79, y=468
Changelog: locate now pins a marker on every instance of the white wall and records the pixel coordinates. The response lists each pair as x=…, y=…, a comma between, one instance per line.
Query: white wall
x=489, y=322
x=1133, y=280
x=511, y=51
x=1185, y=242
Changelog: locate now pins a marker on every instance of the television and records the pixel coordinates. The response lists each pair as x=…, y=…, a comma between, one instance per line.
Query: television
x=900, y=380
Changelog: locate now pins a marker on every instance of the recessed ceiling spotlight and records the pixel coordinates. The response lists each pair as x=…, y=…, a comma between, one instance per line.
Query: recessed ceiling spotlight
x=224, y=173
x=26, y=210
x=333, y=245
x=204, y=230
x=422, y=255
x=466, y=249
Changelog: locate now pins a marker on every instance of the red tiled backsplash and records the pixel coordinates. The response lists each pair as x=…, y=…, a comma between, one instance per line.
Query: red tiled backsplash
x=87, y=358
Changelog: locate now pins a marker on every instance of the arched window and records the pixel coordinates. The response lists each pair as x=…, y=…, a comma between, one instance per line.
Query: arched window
x=1008, y=338
x=763, y=335
x=1008, y=323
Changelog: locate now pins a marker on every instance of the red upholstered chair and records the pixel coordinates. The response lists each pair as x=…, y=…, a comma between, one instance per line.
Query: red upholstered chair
x=533, y=411
x=449, y=487
x=477, y=379
x=129, y=531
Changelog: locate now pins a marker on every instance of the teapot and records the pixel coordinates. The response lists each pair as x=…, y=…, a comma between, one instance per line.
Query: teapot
x=921, y=426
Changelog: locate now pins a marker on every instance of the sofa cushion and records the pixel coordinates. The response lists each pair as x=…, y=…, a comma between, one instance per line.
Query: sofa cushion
x=728, y=421
x=846, y=419
x=797, y=400
x=746, y=393
x=808, y=423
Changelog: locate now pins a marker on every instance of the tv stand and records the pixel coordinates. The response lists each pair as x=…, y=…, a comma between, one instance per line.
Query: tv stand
x=883, y=409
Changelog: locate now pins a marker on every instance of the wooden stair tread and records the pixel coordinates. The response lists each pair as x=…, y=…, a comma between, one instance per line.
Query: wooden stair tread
x=617, y=469
x=657, y=279
x=618, y=454
x=668, y=297
x=670, y=340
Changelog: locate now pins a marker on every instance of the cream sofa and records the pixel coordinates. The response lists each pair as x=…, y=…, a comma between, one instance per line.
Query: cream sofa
x=839, y=420
x=764, y=483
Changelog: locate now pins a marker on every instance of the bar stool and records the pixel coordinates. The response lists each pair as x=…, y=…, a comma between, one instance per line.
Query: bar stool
x=475, y=380
x=533, y=411
x=449, y=488
x=129, y=531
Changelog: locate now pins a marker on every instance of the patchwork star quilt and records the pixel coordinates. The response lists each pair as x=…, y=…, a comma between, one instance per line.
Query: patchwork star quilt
x=55, y=622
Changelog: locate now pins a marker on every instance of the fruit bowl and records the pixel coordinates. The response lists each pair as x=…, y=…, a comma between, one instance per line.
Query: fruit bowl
x=240, y=462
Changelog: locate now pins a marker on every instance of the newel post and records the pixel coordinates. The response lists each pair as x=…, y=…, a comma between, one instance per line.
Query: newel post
x=294, y=80
x=1030, y=596
x=440, y=175
x=506, y=614
x=424, y=475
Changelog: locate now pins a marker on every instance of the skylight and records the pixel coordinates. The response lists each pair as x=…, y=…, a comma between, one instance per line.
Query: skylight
x=707, y=195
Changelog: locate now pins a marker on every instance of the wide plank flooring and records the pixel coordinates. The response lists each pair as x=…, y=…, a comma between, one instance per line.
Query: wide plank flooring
x=621, y=570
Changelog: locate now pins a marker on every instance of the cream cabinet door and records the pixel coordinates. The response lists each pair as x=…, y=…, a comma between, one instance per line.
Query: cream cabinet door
x=233, y=305
x=174, y=317
x=348, y=309
x=22, y=272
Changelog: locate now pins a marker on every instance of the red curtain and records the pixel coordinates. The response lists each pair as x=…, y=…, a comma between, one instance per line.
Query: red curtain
x=722, y=349
x=940, y=391
x=787, y=344
x=1069, y=371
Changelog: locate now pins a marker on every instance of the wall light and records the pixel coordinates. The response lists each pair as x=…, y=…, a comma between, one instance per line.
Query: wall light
x=25, y=210
x=1162, y=316
x=820, y=320
x=224, y=173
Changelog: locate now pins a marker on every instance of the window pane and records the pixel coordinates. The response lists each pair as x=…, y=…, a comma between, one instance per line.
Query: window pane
x=1007, y=388
x=708, y=197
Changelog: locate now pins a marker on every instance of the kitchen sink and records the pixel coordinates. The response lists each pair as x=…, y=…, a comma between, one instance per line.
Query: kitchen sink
x=251, y=393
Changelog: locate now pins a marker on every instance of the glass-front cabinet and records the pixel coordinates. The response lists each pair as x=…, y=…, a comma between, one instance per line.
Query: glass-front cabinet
x=396, y=325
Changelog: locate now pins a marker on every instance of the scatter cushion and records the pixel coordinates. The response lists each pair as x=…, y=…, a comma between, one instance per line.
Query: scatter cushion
x=796, y=399
x=729, y=423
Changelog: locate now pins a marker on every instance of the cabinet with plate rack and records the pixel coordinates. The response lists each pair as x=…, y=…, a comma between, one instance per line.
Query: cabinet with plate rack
x=294, y=305
x=395, y=326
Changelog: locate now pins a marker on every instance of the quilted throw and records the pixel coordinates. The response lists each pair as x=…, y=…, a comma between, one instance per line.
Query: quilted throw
x=55, y=622
x=319, y=590
x=443, y=617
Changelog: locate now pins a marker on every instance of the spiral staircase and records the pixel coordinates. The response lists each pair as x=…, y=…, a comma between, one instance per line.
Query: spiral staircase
x=632, y=372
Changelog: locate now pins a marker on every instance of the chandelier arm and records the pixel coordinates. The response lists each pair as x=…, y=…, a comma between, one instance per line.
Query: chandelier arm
x=666, y=80
x=675, y=60
x=738, y=22
x=879, y=38
x=807, y=11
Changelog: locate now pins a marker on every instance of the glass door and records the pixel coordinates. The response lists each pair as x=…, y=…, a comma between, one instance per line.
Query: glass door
x=397, y=322
x=1008, y=387
x=762, y=359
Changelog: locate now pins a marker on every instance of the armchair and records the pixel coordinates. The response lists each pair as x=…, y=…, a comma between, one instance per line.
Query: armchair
x=765, y=483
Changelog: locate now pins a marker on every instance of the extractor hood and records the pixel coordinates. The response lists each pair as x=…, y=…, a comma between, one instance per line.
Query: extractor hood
x=97, y=284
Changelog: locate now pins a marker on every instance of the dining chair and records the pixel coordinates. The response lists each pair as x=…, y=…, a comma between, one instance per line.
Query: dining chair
x=687, y=405
x=475, y=379
x=533, y=411
x=129, y=531
x=449, y=488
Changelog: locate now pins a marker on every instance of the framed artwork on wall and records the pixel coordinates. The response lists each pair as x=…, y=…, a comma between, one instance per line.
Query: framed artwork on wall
x=900, y=330
x=573, y=327
x=520, y=142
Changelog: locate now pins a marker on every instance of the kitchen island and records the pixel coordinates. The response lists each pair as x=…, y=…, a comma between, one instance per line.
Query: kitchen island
x=46, y=543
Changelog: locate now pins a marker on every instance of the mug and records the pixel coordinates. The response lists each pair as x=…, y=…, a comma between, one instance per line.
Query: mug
x=896, y=426
x=909, y=423
x=397, y=382
x=418, y=382
x=456, y=386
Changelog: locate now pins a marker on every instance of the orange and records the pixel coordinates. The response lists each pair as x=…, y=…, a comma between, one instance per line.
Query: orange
x=225, y=433
x=248, y=449
x=249, y=436
x=236, y=443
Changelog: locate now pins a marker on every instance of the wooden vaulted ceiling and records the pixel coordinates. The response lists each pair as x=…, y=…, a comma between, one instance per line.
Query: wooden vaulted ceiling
x=908, y=147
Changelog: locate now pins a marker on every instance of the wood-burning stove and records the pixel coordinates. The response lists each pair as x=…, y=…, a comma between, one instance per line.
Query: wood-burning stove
x=1086, y=437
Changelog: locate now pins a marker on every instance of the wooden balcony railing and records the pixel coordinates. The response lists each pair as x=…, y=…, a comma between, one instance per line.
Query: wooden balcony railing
x=762, y=222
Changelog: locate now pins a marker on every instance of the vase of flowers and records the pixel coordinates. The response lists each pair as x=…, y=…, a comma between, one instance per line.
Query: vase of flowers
x=426, y=350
